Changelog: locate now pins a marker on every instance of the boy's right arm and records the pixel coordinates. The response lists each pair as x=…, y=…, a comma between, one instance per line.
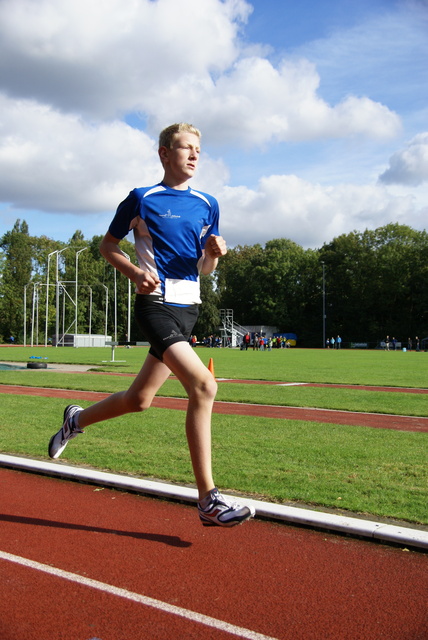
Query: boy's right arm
x=145, y=281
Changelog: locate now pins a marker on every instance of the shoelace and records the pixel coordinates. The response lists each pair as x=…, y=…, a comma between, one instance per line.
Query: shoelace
x=228, y=503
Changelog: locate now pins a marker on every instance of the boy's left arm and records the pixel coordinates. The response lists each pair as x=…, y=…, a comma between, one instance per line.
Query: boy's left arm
x=215, y=247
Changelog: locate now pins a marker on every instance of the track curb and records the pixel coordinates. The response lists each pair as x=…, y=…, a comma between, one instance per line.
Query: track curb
x=376, y=531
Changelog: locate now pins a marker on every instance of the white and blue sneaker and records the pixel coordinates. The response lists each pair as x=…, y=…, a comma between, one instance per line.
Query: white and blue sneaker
x=59, y=441
x=217, y=511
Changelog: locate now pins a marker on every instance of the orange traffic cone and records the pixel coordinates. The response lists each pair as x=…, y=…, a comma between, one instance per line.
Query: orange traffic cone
x=211, y=366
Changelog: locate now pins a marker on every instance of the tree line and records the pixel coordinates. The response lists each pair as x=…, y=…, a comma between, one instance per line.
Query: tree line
x=361, y=286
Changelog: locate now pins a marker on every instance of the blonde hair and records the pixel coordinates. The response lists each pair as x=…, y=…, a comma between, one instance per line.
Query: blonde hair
x=166, y=136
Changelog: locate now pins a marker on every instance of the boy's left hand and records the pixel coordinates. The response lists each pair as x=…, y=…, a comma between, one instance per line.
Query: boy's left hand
x=215, y=247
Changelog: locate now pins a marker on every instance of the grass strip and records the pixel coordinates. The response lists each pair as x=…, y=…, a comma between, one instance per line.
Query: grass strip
x=346, y=366
x=369, y=471
x=405, y=404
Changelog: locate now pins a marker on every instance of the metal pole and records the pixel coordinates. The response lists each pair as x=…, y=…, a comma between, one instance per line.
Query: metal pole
x=323, y=304
x=37, y=314
x=25, y=315
x=106, y=290
x=115, y=304
x=90, y=312
x=32, y=314
x=129, y=300
x=75, y=301
x=63, y=318
x=129, y=309
x=57, y=297
x=47, y=299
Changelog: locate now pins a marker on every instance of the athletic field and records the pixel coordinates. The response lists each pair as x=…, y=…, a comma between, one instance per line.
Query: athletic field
x=356, y=468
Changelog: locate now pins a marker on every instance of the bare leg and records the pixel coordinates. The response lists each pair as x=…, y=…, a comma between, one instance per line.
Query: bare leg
x=201, y=389
x=138, y=397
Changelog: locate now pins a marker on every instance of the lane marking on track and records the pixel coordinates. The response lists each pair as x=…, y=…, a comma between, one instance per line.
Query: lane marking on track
x=291, y=384
x=136, y=597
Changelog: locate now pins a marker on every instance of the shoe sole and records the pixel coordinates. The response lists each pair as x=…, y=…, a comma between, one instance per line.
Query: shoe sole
x=61, y=449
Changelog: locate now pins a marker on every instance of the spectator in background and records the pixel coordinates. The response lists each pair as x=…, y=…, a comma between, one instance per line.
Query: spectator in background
x=247, y=340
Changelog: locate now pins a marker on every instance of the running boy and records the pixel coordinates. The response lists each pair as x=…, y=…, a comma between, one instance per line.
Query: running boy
x=176, y=238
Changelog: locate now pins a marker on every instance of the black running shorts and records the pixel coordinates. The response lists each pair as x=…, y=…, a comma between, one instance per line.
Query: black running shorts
x=161, y=324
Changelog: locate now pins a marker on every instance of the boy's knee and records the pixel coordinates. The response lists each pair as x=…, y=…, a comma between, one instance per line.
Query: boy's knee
x=137, y=404
x=206, y=387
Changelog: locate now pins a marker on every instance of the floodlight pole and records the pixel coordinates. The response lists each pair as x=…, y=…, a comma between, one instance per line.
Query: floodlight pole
x=47, y=298
x=33, y=308
x=129, y=300
x=75, y=301
x=25, y=314
x=323, y=304
x=115, y=304
x=90, y=311
x=57, y=296
x=106, y=290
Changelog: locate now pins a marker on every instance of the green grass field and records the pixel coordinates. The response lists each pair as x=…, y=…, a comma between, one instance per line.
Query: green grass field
x=376, y=472
x=392, y=368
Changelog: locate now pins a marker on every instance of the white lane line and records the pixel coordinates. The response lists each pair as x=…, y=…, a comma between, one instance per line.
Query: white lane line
x=291, y=384
x=136, y=597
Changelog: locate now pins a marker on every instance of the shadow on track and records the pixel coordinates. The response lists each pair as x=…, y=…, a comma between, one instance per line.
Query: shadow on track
x=173, y=541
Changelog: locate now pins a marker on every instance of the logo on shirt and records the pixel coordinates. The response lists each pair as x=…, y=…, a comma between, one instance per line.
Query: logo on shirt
x=168, y=214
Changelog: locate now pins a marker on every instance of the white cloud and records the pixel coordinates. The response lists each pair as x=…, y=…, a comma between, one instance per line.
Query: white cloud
x=55, y=162
x=309, y=214
x=410, y=165
x=255, y=103
x=103, y=57
x=69, y=71
x=171, y=61
x=58, y=162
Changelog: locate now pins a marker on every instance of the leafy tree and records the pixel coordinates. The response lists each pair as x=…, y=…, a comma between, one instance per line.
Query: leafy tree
x=16, y=274
x=268, y=285
x=375, y=283
x=209, y=315
x=235, y=281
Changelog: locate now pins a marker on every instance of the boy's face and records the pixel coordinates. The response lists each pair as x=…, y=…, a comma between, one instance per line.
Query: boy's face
x=181, y=160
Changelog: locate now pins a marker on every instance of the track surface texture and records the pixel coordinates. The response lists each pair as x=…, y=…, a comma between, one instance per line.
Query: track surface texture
x=265, y=580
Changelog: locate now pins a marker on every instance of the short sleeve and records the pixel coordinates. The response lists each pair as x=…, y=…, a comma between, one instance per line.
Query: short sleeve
x=125, y=217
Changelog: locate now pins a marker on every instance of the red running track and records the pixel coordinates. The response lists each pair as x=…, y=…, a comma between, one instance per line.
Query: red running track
x=268, y=580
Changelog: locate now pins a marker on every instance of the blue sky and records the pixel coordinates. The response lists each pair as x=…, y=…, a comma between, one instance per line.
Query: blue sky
x=314, y=114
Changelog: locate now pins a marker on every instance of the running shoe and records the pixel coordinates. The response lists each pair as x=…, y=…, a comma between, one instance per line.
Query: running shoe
x=59, y=441
x=222, y=512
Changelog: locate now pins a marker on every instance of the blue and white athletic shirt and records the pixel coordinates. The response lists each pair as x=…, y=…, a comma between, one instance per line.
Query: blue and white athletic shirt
x=170, y=230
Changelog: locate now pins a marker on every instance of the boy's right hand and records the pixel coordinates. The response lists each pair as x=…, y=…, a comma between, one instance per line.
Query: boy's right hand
x=146, y=282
